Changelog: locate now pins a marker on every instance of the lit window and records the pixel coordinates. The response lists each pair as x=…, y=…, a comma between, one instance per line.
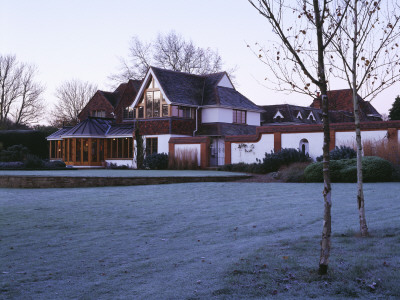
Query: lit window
x=140, y=112
x=129, y=113
x=99, y=113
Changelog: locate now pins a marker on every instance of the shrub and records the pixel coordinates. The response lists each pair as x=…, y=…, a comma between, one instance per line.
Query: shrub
x=33, y=162
x=293, y=172
x=55, y=164
x=375, y=169
x=184, y=159
x=14, y=153
x=11, y=165
x=117, y=167
x=342, y=152
x=273, y=161
x=156, y=161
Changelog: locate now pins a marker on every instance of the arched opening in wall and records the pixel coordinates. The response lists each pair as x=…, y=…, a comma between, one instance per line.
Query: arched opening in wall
x=304, y=146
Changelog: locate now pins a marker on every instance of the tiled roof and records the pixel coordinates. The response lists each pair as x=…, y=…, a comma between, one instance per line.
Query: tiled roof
x=200, y=90
x=124, y=92
x=94, y=127
x=180, y=88
x=232, y=98
x=290, y=113
x=57, y=135
x=120, y=130
x=225, y=129
x=111, y=97
x=342, y=100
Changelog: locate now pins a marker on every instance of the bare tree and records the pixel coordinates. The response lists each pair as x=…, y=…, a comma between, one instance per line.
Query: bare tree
x=20, y=94
x=72, y=97
x=366, y=45
x=170, y=51
x=299, y=57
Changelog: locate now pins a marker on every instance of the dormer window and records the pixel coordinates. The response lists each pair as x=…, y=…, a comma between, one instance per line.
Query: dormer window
x=278, y=116
x=311, y=117
x=239, y=116
x=99, y=113
x=299, y=116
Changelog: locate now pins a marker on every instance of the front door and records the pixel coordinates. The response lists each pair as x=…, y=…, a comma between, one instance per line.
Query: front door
x=217, y=152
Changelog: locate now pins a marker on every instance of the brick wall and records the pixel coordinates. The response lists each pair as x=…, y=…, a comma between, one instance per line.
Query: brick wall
x=97, y=102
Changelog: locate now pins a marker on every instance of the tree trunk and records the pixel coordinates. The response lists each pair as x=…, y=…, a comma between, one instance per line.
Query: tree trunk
x=326, y=229
x=360, y=192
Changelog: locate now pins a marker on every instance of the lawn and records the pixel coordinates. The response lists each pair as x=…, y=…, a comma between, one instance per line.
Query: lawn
x=117, y=173
x=199, y=240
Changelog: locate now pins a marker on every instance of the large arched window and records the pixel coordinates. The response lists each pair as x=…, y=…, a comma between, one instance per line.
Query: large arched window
x=304, y=146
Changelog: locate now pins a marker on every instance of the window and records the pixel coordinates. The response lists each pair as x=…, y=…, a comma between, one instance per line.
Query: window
x=78, y=150
x=182, y=112
x=99, y=113
x=140, y=112
x=304, y=146
x=119, y=148
x=151, y=145
x=94, y=150
x=311, y=117
x=85, y=145
x=239, y=116
x=129, y=113
x=153, y=100
x=165, y=110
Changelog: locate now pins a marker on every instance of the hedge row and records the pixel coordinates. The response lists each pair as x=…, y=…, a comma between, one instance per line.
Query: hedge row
x=35, y=141
x=375, y=169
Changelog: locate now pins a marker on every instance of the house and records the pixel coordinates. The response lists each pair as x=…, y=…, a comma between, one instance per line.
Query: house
x=205, y=114
x=164, y=105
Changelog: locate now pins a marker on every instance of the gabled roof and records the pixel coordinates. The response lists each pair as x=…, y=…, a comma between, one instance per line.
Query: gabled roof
x=180, y=88
x=196, y=90
x=124, y=91
x=110, y=96
x=343, y=100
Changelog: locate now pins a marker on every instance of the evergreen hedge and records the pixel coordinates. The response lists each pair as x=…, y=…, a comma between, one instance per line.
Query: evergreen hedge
x=34, y=140
x=375, y=169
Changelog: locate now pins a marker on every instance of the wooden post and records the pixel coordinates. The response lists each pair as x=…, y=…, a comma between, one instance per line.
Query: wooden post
x=89, y=151
x=277, y=141
x=332, y=135
x=228, y=153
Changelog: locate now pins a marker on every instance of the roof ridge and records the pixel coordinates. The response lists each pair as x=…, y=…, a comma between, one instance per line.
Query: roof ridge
x=187, y=73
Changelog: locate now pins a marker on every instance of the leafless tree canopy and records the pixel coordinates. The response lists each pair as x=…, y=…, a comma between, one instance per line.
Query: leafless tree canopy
x=20, y=94
x=170, y=51
x=292, y=59
x=377, y=50
x=72, y=97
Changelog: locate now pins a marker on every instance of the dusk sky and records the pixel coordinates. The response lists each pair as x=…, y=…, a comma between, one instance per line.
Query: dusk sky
x=84, y=39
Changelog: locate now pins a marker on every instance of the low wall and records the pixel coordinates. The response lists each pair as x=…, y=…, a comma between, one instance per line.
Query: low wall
x=77, y=182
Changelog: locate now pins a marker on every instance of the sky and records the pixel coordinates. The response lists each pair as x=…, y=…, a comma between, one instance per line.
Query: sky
x=84, y=40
